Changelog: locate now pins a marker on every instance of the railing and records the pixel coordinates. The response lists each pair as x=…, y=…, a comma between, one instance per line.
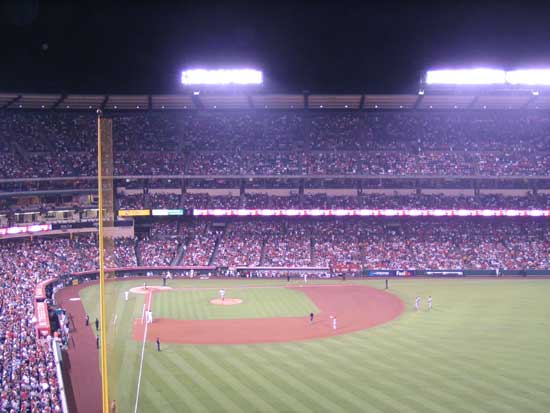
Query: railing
x=58, y=358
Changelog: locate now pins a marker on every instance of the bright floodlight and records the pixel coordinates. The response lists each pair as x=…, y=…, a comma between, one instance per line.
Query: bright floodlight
x=466, y=77
x=528, y=77
x=221, y=77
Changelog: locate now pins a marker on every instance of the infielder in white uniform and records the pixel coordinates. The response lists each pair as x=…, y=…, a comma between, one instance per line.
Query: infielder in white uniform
x=429, y=302
x=222, y=294
x=125, y=295
x=417, y=303
x=334, y=323
x=149, y=316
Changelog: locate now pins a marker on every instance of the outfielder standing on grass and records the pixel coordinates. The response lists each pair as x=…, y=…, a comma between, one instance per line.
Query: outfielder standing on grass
x=429, y=302
x=417, y=303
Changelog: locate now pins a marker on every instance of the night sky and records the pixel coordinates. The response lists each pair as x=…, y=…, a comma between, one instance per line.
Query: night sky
x=323, y=47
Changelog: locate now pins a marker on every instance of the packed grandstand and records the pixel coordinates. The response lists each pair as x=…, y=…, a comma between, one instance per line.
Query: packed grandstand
x=286, y=159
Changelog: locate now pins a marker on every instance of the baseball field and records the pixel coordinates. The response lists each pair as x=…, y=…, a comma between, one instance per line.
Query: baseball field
x=483, y=347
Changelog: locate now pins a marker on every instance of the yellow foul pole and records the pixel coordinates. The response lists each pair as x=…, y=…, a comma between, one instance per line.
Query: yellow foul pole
x=102, y=315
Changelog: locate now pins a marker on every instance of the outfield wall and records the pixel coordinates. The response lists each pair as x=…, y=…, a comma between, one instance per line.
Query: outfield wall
x=297, y=272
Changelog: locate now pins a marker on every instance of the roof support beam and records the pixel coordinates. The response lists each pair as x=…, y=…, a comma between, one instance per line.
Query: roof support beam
x=473, y=102
x=104, y=102
x=11, y=102
x=418, y=101
x=197, y=101
x=362, y=102
x=58, y=102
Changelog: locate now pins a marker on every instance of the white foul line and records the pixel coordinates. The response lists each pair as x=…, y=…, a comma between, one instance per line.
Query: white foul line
x=141, y=362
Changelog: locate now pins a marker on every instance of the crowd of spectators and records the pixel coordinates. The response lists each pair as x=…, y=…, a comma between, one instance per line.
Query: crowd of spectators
x=366, y=200
x=201, y=238
x=131, y=201
x=164, y=229
x=27, y=371
x=164, y=201
x=438, y=243
x=488, y=143
x=242, y=243
x=157, y=252
x=123, y=254
x=28, y=380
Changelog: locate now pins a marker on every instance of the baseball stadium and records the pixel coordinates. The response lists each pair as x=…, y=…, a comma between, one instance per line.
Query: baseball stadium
x=231, y=247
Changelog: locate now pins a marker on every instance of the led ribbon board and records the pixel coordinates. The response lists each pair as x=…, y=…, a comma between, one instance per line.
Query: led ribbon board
x=25, y=229
x=374, y=212
x=167, y=212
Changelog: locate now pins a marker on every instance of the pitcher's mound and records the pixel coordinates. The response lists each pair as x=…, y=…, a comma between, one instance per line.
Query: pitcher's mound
x=227, y=301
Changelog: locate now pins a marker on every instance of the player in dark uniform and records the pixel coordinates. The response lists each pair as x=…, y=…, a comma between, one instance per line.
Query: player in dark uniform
x=311, y=315
x=158, y=344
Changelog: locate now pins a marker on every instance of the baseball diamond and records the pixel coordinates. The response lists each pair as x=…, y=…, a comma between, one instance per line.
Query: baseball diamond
x=430, y=354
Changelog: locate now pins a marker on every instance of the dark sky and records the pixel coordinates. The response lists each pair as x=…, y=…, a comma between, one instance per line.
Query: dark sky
x=334, y=46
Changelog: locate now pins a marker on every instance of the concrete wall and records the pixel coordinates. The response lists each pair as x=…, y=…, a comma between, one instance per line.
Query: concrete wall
x=214, y=191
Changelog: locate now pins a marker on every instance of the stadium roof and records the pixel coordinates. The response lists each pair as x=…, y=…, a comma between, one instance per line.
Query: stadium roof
x=524, y=100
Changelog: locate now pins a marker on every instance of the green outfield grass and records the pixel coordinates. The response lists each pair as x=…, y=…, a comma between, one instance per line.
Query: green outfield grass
x=483, y=348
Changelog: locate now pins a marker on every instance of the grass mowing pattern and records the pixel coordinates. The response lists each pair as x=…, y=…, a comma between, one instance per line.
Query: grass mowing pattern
x=483, y=348
x=257, y=303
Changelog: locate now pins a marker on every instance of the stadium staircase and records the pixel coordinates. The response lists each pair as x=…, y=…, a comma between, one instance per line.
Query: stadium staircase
x=312, y=252
x=262, y=253
x=215, y=250
x=147, y=200
x=138, y=254
x=19, y=151
x=180, y=253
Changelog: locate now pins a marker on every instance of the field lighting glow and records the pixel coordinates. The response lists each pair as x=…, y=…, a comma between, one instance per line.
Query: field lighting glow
x=222, y=77
x=528, y=77
x=486, y=76
x=479, y=76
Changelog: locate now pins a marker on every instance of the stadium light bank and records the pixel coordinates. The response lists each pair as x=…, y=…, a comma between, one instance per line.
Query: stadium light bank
x=221, y=77
x=488, y=77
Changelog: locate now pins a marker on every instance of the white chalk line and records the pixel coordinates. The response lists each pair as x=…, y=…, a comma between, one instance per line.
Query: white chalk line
x=142, y=354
